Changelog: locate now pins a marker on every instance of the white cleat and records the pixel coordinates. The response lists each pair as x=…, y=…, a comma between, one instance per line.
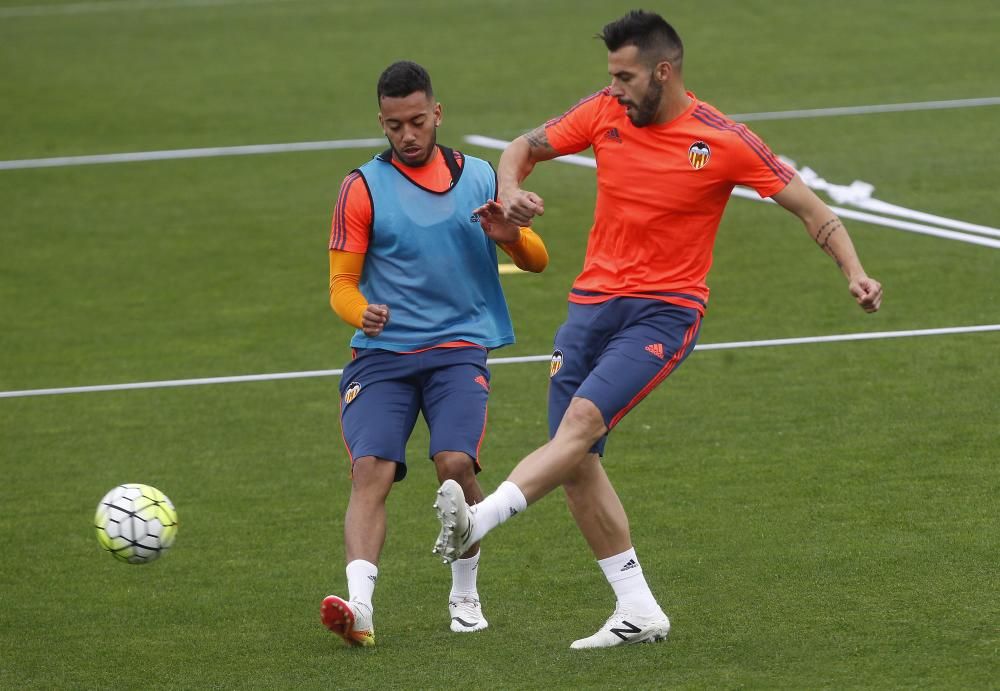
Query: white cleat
x=625, y=627
x=466, y=614
x=456, y=522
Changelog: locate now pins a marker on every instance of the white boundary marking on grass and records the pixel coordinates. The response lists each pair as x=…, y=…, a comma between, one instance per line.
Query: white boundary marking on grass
x=361, y=143
x=116, y=5
x=863, y=200
x=859, y=194
x=190, y=153
x=865, y=110
x=868, y=336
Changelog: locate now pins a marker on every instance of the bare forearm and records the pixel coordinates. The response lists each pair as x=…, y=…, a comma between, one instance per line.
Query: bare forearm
x=517, y=161
x=830, y=234
x=515, y=165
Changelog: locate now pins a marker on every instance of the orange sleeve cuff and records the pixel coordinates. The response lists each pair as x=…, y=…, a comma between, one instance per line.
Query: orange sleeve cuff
x=528, y=252
x=345, y=275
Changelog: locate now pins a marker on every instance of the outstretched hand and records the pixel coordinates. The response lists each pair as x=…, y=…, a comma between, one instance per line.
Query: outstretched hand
x=868, y=292
x=495, y=223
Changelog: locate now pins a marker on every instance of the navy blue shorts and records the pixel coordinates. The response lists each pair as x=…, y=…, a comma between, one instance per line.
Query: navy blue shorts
x=381, y=393
x=615, y=353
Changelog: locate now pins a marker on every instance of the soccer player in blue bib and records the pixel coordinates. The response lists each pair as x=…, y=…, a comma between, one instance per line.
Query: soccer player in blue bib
x=413, y=266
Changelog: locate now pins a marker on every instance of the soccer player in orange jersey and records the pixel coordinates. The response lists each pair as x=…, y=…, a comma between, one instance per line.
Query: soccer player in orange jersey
x=666, y=165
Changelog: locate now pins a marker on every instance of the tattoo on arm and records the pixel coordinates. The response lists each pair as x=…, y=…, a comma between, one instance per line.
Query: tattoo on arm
x=824, y=233
x=539, y=141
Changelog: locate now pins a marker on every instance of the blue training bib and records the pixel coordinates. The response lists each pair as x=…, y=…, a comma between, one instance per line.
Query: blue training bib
x=430, y=262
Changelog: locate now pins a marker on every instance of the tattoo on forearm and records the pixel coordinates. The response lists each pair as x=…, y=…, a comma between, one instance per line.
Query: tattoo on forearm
x=537, y=139
x=824, y=233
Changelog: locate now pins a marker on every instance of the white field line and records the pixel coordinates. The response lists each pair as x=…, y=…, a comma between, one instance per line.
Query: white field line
x=859, y=195
x=189, y=153
x=116, y=5
x=874, y=335
x=876, y=206
x=745, y=193
x=313, y=146
x=865, y=110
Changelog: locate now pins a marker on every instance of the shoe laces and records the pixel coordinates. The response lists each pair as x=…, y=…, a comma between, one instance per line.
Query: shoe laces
x=465, y=602
x=363, y=616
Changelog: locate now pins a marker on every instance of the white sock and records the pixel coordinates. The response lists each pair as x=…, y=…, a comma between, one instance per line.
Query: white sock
x=463, y=576
x=624, y=573
x=506, y=502
x=361, y=578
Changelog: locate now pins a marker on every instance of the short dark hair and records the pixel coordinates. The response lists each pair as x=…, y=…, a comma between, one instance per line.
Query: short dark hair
x=647, y=31
x=403, y=78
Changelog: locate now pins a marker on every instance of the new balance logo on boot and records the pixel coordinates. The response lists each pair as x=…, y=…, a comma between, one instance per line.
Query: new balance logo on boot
x=626, y=627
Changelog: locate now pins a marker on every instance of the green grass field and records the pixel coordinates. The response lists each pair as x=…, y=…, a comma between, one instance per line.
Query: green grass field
x=811, y=516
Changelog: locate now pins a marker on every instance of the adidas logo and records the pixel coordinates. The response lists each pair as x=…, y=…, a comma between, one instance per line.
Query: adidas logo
x=481, y=380
x=513, y=511
x=613, y=136
x=474, y=218
x=373, y=579
x=656, y=349
x=630, y=564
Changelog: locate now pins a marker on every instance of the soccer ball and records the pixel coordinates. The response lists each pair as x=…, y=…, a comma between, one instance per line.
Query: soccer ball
x=136, y=523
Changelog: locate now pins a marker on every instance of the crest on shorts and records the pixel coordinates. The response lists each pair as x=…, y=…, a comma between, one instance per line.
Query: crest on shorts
x=698, y=155
x=555, y=364
x=352, y=392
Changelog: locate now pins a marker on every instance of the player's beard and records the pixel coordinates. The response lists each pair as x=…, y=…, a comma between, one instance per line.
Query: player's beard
x=428, y=153
x=645, y=111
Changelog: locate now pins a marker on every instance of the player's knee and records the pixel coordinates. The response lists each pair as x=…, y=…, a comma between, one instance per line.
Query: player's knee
x=584, y=421
x=372, y=476
x=454, y=465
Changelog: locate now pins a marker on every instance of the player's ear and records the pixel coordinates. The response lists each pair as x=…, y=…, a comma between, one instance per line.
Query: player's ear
x=663, y=71
x=437, y=114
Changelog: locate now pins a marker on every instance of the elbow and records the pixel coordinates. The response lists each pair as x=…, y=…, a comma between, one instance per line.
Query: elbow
x=537, y=266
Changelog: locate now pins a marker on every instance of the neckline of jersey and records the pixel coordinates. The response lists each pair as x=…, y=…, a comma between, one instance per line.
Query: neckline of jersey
x=686, y=113
x=400, y=165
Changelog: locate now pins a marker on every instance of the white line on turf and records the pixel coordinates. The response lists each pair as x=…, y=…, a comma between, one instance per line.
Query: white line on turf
x=859, y=194
x=865, y=110
x=874, y=219
x=116, y=5
x=873, y=335
x=362, y=143
x=190, y=153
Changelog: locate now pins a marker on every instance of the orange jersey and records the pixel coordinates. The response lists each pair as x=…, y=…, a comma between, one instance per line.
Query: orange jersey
x=661, y=191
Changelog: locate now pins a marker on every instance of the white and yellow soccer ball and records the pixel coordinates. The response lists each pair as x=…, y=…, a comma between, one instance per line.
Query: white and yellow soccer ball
x=136, y=523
